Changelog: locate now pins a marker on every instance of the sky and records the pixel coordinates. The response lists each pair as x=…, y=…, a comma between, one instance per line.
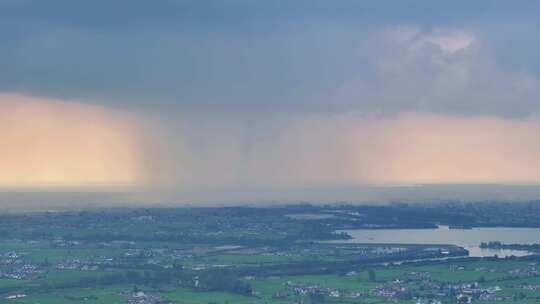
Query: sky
x=276, y=101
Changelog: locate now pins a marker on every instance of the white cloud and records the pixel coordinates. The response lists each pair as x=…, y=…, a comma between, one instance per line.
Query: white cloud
x=450, y=41
x=413, y=37
x=441, y=71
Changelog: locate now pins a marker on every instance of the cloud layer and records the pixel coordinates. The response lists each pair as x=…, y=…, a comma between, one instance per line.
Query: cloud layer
x=301, y=56
x=257, y=97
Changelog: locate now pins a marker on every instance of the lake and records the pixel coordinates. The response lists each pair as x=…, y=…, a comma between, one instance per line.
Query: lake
x=470, y=239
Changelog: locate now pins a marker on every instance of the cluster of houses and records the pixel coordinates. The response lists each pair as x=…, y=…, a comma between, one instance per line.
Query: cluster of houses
x=432, y=291
x=462, y=292
x=140, y=297
x=530, y=286
x=15, y=296
x=10, y=258
x=59, y=242
x=21, y=272
x=17, y=268
x=76, y=264
x=306, y=289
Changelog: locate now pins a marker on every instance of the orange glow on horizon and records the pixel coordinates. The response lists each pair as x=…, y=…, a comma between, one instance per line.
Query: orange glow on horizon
x=428, y=148
x=48, y=143
x=67, y=144
x=408, y=148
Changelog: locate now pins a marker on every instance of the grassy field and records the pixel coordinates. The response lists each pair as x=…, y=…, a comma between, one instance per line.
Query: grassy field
x=111, y=295
x=490, y=272
x=55, y=286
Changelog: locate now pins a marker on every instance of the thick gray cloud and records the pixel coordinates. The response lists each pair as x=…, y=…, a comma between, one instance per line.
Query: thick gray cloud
x=240, y=100
x=276, y=56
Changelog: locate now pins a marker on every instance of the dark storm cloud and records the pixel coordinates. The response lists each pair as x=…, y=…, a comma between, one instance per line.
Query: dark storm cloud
x=269, y=100
x=314, y=56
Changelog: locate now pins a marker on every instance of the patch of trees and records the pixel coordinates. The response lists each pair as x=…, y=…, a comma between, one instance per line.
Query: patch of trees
x=372, y=276
x=220, y=280
x=128, y=277
x=499, y=245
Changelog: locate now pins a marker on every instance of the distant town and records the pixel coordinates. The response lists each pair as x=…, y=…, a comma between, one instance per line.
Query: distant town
x=290, y=254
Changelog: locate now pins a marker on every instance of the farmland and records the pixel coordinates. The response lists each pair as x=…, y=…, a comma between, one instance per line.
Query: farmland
x=241, y=255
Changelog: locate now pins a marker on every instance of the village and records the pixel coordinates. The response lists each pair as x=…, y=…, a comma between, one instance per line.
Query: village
x=421, y=287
